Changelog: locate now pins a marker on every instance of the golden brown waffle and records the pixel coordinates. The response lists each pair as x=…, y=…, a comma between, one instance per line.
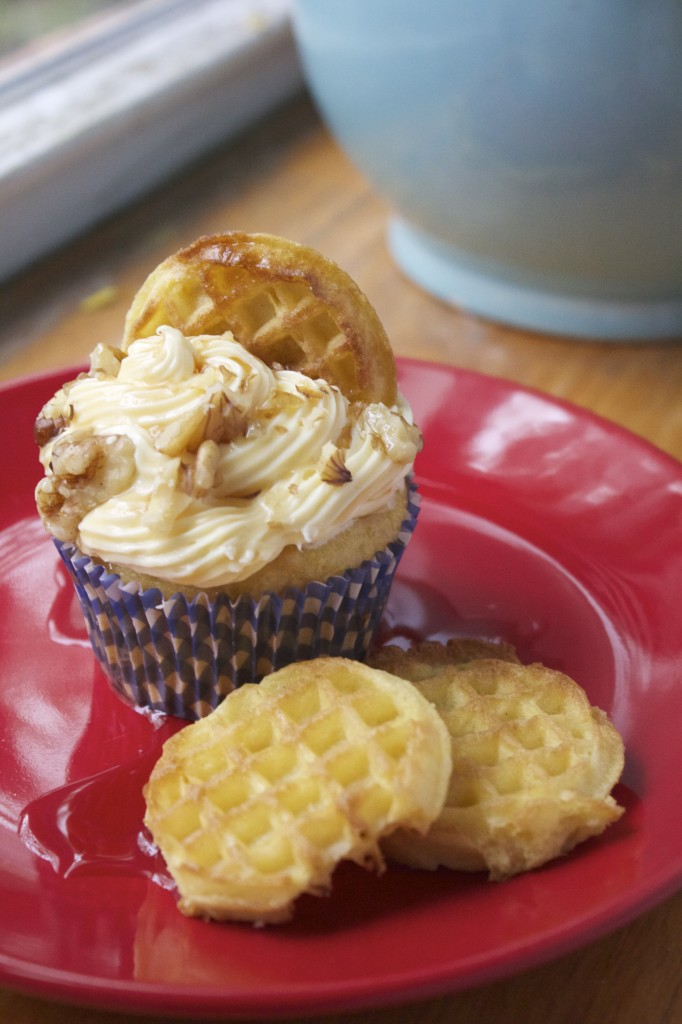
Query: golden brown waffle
x=533, y=765
x=428, y=658
x=258, y=802
x=283, y=301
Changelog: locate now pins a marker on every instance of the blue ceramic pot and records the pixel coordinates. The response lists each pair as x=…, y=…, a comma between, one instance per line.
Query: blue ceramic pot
x=531, y=150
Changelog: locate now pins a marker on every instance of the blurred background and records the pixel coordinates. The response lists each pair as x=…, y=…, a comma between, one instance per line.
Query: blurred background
x=103, y=100
x=31, y=23
x=530, y=154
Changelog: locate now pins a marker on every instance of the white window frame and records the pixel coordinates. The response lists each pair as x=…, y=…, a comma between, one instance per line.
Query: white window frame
x=94, y=122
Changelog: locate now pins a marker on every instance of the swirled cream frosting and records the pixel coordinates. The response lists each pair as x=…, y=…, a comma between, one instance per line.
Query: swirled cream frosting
x=190, y=459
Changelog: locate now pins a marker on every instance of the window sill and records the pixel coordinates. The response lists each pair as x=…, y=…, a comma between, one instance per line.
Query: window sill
x=100, y=123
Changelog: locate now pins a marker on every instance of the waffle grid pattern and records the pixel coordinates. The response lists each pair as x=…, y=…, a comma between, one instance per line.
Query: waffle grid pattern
x=258, y=803
x=285, y=302
x=533, y=767
x=289, y=326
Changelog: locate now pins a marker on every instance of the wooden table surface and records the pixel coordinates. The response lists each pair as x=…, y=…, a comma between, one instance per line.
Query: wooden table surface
x=286, y=176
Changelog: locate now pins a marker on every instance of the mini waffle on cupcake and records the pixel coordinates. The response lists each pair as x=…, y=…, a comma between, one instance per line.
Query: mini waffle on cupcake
x=230, y=490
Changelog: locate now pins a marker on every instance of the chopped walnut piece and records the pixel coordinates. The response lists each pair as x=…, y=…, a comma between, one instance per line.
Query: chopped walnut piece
x=48, y=498
x=105, y=360
x=394, y=434
x=74, y=458
x=310, y=390
x=335, y=471
x=225, y=422
x=207, y=466
x=46, y=428
x=183, y=434
x=235, y=424
x=201, y=473
x=213, y=426
x=84, y=473
x=217, y=421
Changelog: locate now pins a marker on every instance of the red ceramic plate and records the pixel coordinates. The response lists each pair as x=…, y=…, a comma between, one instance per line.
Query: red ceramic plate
x=541, y=525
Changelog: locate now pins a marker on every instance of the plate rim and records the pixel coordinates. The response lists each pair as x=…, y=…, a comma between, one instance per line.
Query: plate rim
x=129, y=994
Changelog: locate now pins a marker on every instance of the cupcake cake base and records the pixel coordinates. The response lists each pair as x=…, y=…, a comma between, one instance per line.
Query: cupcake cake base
x=182, y=656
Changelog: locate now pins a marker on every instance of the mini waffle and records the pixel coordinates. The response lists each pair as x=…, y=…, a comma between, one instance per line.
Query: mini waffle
x=284, y=302
x=258, y=802
x=533, y=765
x=428, y=658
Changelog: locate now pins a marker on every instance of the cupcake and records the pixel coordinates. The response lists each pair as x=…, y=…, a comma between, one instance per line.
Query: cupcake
x=230, y=490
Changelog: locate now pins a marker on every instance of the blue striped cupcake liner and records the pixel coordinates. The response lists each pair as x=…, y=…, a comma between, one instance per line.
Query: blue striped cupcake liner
x=182, y=656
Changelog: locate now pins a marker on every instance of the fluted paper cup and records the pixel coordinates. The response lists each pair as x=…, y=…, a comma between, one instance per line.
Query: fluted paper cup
x=182, y=656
